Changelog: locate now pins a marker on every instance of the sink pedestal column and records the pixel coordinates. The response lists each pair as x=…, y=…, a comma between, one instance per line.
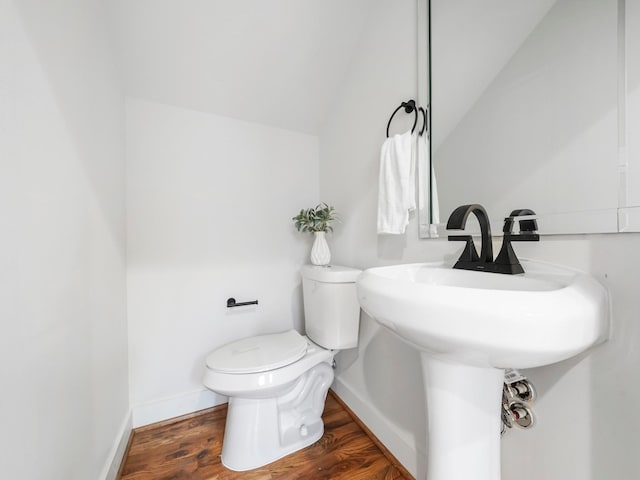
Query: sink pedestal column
x=464, y=417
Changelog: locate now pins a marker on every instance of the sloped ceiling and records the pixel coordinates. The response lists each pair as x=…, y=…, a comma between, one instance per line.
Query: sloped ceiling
x=275, y=62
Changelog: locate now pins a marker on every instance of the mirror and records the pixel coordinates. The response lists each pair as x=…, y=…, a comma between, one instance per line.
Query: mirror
x=530, y=104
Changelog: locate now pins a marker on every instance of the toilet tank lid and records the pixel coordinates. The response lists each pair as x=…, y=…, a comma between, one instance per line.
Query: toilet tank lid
x=330, y=273
x=259, y=353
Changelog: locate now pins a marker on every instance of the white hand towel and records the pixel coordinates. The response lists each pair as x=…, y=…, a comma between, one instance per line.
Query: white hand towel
x=396, y=193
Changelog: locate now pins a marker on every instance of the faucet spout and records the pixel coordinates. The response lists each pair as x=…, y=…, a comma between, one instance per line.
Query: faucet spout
x=458, y=221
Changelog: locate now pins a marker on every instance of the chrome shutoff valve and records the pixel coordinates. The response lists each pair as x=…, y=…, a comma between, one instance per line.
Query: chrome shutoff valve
x=523, y=390
x=521, y=415
x=517, y=393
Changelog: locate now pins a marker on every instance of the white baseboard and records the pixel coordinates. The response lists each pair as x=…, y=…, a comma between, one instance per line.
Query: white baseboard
x=159, y=410
x=398, y=442
x=116, y=454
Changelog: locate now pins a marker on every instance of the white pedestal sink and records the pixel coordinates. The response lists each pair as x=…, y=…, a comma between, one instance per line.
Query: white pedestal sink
x=469, y=326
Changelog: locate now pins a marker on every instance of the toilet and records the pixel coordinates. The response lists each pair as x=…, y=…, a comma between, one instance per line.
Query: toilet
x=277, y=383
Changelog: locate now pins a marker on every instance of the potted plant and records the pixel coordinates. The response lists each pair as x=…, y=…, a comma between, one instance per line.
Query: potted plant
x=317, y=220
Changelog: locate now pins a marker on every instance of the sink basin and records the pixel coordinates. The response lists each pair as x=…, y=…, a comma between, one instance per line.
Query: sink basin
x=469, y=326
x=545, y=315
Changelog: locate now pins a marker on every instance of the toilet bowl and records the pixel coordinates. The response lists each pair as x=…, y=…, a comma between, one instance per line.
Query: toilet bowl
x=277, y=383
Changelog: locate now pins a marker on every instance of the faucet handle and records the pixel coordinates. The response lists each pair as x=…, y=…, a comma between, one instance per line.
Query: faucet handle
x=507, y=261
x=469, y=254
x=526, y=224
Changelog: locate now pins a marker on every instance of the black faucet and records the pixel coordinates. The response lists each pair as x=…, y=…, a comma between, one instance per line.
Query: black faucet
x=469, y=260
x=506, y=261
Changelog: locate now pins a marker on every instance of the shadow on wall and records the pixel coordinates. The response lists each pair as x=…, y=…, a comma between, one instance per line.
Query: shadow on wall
x=98, y=140
x=388, y=385
x=392, y=247
x=297, y=308
x=614, y=390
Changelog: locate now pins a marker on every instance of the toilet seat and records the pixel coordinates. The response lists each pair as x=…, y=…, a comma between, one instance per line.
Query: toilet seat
x=266, y=383
x=259, y=353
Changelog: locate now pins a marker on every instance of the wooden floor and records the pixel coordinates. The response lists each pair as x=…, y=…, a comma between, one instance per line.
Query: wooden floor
x=190, y=447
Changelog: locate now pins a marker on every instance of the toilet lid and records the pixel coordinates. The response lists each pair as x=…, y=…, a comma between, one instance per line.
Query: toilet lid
x=259, y=353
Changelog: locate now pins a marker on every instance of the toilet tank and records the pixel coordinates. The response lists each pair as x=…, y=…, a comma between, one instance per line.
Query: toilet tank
x=331, y=308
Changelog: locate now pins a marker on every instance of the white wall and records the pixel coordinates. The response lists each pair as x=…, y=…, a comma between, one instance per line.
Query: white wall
x=63, y=347
x=210, y=201
x=587, y=423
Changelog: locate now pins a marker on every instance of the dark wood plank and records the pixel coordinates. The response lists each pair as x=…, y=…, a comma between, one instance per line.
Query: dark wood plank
x=189, y=448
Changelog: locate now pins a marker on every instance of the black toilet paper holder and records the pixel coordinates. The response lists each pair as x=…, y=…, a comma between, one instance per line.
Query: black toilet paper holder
x=231, y=302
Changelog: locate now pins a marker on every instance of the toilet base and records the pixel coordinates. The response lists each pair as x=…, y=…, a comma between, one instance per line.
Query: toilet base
x=262, y=430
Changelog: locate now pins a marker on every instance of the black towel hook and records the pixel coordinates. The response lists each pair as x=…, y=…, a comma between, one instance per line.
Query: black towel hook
x=423, y=130
x=409, y=106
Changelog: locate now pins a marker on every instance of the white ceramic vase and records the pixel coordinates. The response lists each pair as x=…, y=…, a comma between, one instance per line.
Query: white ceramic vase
x=320, y=254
